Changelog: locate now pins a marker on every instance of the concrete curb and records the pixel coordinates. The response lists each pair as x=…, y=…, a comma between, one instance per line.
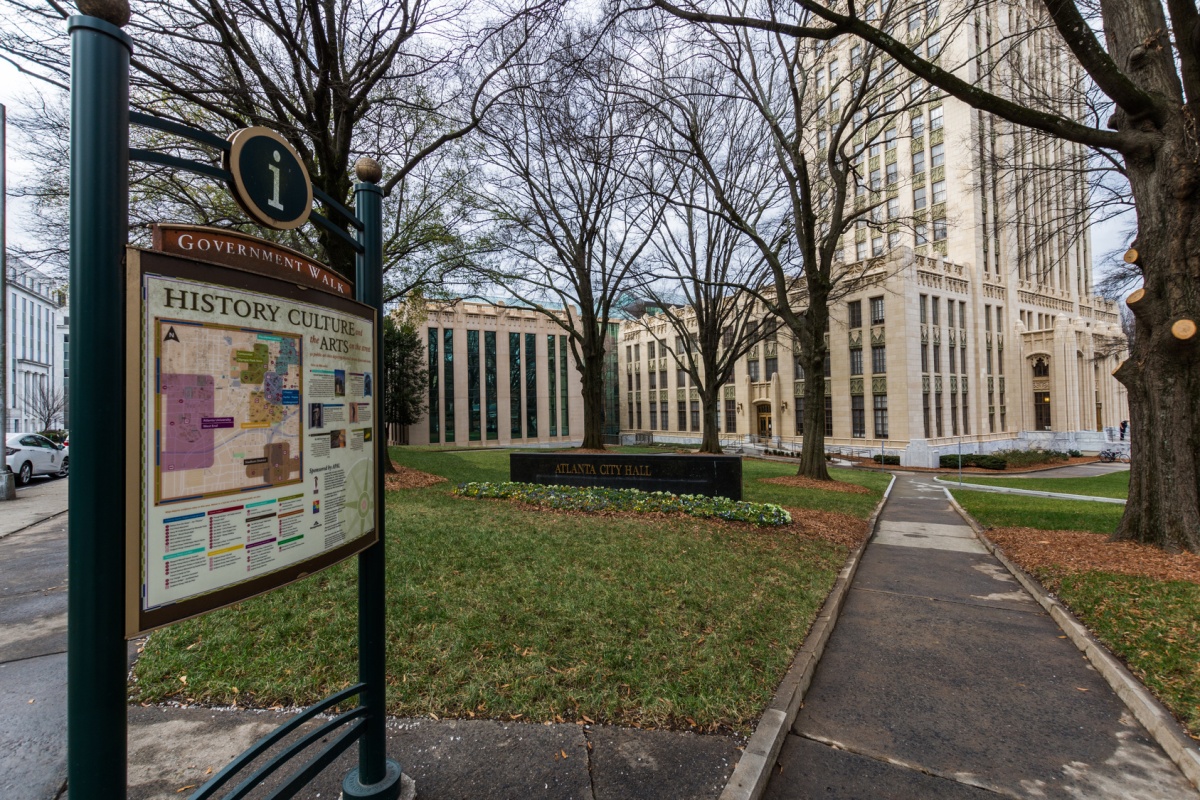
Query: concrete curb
x=750, y=776
x=1153, y=715
x=983, y=487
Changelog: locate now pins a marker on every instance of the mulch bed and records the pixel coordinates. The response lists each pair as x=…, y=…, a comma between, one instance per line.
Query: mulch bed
x=405, y=478
x=1086, y=552
x=801, y=482
x=828, y=526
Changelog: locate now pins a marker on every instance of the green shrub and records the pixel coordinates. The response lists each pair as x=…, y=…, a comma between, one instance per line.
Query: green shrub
x=1075, y=453
x=886, y=459
x=1032, y=458
x=596, y=498
x=980, y=460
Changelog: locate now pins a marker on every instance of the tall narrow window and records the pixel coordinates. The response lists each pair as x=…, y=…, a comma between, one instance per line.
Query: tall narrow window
x=966, y=415
x=1041, y=410
x=799, y=416
x=953, y=414
x=858, y=420
x=876, y=310
x=878, y=359
x=434, y=413
x=695, y=415
x=881, y=416
x=653, y=415
x=564, y=427
x=474, y=416
x=531, y=395
x=856, y=361
x=937, y=413
x=730, y=415
x=828, y=415
x=855, y=309
x=448, y=379
x=489, y=385
x=552, y=375
x=925, y=409
x=514, y=385
x=681, y=415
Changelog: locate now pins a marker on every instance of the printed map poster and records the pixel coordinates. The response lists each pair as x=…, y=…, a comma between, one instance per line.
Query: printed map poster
x=257, y=435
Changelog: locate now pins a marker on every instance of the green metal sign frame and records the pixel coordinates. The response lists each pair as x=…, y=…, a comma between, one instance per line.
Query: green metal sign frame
x=97, y=749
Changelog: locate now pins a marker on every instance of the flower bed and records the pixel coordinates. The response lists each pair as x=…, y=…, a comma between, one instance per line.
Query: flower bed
x=577, y=498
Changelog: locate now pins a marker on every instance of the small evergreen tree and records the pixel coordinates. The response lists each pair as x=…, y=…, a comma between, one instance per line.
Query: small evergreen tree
x=405, y=371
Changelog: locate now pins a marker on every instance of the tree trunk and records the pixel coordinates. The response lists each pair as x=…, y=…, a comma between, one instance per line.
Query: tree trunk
x=1162, y=373
x=711, y=441
x=812, y=452
x=592, y=380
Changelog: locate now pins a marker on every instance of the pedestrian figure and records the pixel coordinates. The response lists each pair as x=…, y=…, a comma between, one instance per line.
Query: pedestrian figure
x=1124, y=427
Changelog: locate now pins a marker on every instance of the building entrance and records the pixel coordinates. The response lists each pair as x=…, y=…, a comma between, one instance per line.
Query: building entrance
x=764, y=424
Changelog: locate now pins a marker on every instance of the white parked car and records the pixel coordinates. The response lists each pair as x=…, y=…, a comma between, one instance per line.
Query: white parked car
x=30, y=454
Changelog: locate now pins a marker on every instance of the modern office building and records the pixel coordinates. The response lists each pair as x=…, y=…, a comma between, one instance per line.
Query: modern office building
x=32, y=308
x=499, y=375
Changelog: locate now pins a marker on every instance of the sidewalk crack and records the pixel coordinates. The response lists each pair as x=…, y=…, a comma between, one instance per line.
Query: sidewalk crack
x=906, y=765
x=587, y=741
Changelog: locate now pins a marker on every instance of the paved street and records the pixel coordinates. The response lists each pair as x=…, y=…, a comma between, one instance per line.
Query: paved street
x=33, y=641
x=945, y=679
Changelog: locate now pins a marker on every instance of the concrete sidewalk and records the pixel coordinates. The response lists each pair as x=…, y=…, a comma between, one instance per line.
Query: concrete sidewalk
x=42, y=499
x=945, y=679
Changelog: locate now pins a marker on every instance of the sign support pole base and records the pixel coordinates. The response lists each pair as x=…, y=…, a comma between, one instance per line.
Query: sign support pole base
x=394, y=786
x=8, y=486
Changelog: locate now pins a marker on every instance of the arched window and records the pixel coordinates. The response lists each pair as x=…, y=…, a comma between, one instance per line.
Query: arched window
x=1041, y=369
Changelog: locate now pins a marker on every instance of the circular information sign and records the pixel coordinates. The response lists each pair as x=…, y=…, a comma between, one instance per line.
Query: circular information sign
x=269, y=179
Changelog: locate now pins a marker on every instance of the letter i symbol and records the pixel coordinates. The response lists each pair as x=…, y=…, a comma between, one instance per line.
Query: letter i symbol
x=274, y=201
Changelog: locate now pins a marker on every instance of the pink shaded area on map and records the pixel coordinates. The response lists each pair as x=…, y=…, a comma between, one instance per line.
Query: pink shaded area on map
x=187, y=401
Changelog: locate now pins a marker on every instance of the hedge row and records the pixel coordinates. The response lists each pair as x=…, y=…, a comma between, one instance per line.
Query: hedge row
x=980, y=460
x=585, y=498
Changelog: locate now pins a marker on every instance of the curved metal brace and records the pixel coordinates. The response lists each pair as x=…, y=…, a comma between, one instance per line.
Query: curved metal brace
x=272, y=738
x=305, y=773
x=328, y=200
x=179, y=129
x=163, y=159
x=336, y=229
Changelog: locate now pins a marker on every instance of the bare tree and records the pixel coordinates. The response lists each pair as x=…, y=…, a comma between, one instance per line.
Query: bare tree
x=1148, y=65
x=697, y=262
x=46, y=403
x=564, y=185
x=819, y=131
x=403, y=82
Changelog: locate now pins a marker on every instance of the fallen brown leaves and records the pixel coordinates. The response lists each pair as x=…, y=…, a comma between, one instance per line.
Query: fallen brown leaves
x=801, y=482
x=1085, y=552
x=828, y=526
x=405, y=478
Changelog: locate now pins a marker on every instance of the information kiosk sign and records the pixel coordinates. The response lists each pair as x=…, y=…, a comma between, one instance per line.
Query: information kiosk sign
x=254, y=434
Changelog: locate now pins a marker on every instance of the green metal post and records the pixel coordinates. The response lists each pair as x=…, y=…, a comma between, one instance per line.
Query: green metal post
x=96, y=655
x=377, y=777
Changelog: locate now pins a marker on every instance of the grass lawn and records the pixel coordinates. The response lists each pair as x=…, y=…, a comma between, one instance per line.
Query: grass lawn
x=1153, y=625
x=1023, y=511
x=498, y=611
x=1114, y=484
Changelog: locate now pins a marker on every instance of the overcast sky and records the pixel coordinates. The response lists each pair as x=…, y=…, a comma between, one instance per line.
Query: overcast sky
x=16, y=89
